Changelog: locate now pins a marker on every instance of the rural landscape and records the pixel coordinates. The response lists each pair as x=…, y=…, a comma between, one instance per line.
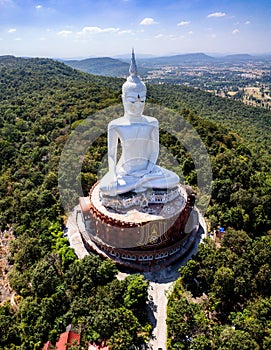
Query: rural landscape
x=240, y=77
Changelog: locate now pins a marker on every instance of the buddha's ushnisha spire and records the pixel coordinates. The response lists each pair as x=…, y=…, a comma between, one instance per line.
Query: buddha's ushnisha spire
x=133, y=67
x=133, y=82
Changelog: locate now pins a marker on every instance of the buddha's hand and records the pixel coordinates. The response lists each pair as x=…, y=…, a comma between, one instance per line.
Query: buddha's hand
x=150, y=166
x=140, y=173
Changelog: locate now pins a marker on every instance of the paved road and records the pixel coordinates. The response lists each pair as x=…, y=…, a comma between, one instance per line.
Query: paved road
x=161, y=282
x=74, y=235
x=158, y=305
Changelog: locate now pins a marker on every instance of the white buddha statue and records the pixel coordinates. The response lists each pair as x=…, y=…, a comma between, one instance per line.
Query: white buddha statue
x=136, y=170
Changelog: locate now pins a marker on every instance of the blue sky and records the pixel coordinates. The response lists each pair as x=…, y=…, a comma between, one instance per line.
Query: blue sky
x=86, y=28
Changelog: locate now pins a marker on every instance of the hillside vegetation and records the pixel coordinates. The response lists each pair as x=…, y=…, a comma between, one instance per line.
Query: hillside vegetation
x=252, y=124
x=42, y=101
x=105, y=66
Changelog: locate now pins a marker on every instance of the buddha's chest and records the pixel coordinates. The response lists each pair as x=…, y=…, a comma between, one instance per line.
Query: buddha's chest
x=135, y=132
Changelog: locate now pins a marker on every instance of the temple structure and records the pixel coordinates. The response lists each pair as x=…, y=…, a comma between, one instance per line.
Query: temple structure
x=138, y=214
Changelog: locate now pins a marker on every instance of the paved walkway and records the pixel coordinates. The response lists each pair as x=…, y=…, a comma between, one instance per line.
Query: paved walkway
x=161, y=283
x=74, y=235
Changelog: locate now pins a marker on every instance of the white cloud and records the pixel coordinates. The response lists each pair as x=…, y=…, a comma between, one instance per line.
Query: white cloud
x=125, y=32
x=12, y=30
x=97, y=30
x=64, y=33
x=18, y=39
x=247, y=22
x=183, y=23
x=48, y=10
x=147, y=21
x=167, y=37
x=216, y=14
x=190, y=32
x=159, y=36
x=235, y=31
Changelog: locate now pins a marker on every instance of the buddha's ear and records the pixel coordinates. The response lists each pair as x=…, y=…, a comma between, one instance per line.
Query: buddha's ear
x=124, y=102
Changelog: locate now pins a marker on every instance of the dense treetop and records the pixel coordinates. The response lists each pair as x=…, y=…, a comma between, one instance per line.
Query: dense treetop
x=42, y=102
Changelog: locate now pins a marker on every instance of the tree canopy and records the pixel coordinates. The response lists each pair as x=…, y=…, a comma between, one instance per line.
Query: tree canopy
x=223, y=294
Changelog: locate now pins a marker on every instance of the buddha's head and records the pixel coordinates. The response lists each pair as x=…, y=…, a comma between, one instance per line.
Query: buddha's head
x=133, y=92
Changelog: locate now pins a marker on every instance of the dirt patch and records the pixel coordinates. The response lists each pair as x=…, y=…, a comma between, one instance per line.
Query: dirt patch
x=5, y=291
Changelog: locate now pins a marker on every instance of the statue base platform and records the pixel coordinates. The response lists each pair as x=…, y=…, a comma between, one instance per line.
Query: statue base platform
x=143, y=237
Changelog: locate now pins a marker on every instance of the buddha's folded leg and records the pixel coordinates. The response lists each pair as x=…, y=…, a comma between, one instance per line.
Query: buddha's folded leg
x=129, y=183
x=160, y=178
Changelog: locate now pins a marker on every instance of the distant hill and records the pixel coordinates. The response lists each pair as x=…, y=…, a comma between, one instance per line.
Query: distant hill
x=238, y=57
x=113, y=67
x=7, y=58
x=105, y=66
x=192, y=58
x=243, y=57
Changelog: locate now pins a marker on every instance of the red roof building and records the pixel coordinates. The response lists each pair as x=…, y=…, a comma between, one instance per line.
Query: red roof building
x=47, y=346
x=68, y=338
x=65, y=341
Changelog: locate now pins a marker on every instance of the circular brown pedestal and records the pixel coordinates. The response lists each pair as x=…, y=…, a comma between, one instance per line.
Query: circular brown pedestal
x=143, y=238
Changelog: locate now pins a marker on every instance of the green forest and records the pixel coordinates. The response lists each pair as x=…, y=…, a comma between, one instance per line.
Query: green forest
x=222, y=299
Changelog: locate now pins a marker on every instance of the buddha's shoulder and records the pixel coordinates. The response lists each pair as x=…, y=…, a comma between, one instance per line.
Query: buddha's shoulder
x=122, y=121
x=150, y=120
x=117, y=122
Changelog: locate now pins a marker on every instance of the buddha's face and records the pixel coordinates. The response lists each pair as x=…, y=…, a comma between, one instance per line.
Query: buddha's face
x=134, y=103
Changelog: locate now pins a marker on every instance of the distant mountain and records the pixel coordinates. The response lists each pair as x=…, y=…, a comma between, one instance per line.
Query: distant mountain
x=238, y=57
x=192, y=58
x=114, y=67
x=101, y=66
x=7, y=58
x=127, y=57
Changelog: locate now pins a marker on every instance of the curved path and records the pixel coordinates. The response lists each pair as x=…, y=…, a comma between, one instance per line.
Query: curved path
x=161, y=283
